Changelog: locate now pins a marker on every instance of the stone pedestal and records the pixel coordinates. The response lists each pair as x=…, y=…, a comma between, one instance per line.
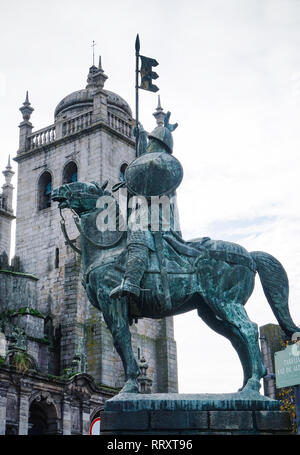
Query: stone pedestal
x=197, y=414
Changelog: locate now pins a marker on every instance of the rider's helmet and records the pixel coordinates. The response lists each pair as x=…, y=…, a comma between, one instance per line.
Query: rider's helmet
x=163, y=133
x=164, y=136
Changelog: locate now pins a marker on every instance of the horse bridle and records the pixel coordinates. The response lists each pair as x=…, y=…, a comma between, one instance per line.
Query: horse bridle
x=77, y=223
x=64, y=231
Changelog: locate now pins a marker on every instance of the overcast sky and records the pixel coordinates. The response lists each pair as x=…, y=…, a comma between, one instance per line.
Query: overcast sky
x=229, y=71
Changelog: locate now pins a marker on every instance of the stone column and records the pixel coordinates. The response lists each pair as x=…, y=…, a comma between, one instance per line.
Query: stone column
x=25, y=126
x=68, y=326
x=58, y=128
x=97, y=78
x=4, y=385
x=270, y=336
x=3, y=344
x=25, y=131
x=100, y=106
x=167, y=381
x=7, y=188
x=25, y=390
x=67, y=415
x=85, y=415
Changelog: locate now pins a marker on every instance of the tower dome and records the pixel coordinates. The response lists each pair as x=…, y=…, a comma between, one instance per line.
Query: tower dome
x=82, y=100
x=76, y=102
x=115, y=101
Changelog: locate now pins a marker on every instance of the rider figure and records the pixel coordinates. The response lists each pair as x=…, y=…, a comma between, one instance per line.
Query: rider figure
x=140, y=241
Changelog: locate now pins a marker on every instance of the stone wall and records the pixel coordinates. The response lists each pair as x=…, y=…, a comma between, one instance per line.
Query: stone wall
x=5, y=232
x=23, y=325
x=17, y=290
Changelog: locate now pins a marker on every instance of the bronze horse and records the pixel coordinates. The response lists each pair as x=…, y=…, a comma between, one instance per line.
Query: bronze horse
x=214, y=277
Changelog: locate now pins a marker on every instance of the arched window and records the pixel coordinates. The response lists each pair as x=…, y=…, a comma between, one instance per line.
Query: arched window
x=44, y=190
x=122, y=171
x=70, y=172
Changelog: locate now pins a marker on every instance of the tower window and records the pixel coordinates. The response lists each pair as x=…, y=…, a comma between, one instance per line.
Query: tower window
x=56, y=258
x=3, y=203
x=44, y=190
x=70, y=172
x=122, y=171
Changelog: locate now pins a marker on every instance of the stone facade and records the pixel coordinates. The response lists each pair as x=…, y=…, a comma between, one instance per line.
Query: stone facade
x=37, y=404
x=58, y=364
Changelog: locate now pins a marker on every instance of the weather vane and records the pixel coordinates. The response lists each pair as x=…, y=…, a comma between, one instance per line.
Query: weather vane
x=93, y=46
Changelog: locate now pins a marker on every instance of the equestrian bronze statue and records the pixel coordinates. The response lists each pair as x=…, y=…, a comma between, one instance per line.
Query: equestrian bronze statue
x=130, y=273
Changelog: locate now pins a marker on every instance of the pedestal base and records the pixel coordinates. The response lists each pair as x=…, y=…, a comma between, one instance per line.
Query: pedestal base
x=201, y=414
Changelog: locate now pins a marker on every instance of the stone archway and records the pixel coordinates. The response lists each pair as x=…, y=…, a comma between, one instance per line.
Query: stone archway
x=43, y=417
x=97, y=412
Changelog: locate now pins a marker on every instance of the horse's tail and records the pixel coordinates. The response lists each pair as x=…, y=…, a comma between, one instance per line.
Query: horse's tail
x=275, y=284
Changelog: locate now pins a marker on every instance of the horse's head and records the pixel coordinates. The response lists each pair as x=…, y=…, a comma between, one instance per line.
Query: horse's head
x=79, y=196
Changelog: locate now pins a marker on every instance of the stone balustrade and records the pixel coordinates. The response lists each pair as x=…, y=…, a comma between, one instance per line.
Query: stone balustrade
x=73, y=125
x=120, y=125
x=42, y=137
x=78, y=123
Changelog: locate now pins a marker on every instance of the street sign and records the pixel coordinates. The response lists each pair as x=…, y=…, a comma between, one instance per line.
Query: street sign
x=287, y=366
x=95, y=426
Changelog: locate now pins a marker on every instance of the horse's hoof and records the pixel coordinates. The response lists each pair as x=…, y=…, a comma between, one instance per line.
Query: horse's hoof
x=241, y=388
x=130, y=387
x=253, y=385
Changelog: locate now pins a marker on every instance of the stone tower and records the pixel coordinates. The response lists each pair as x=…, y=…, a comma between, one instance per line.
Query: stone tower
x=91, y=139
x=6, y=212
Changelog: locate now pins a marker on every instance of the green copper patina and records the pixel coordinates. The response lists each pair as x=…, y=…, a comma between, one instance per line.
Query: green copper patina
x=154, y=173
x=163, y=275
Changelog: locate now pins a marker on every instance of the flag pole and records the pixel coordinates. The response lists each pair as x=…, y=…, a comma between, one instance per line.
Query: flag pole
x=137, y=54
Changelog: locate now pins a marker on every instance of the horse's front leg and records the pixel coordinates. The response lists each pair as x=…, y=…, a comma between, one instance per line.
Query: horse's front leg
x=116, y=317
